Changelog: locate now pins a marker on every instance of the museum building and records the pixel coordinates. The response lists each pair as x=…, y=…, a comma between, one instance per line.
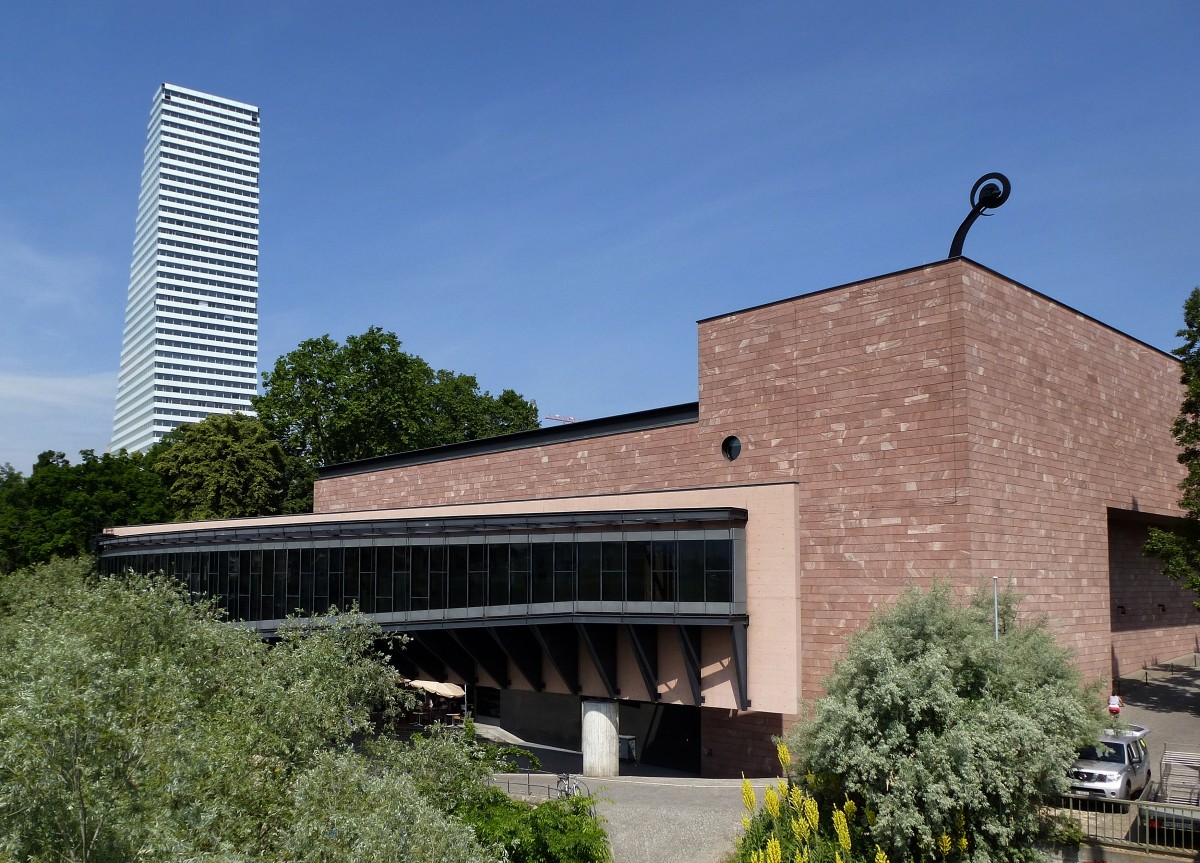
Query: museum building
x=697, y=568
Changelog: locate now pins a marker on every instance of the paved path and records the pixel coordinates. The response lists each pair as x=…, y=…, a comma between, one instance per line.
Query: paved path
x=1165, y=700
x=672, y=819
x=655, y=814
x=650, y=819
x=652, y=813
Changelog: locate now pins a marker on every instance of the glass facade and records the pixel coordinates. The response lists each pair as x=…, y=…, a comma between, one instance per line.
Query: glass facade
x=696, y=571
x=191, y=319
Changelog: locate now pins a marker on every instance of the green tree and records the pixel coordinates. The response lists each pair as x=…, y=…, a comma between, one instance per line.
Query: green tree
x=1179, y=547
x=225, y=466
x=12, y=487
x=328, y=403
x=60, y=506
x=944, y=736
x=136, y=724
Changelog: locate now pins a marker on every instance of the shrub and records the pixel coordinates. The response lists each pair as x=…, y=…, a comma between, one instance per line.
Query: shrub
x=947, y=735
x=135, y=723
x=454, y=767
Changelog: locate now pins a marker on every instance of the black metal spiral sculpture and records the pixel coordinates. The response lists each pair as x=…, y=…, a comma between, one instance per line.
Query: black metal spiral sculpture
x=988, y=193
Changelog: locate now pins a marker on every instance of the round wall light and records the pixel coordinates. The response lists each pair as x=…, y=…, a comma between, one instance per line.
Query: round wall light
x=731, y=447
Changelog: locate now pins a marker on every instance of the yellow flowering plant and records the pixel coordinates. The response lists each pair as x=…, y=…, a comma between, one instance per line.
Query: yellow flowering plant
x=774, y=853
x=842, y=829
x=771, y=802
x=786, y=825
x=749, y=799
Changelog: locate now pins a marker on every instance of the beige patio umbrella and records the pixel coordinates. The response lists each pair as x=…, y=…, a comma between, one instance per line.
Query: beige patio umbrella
x=446, y=690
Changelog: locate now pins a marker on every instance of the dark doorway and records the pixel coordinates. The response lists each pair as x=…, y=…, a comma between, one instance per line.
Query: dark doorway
x=673, y=737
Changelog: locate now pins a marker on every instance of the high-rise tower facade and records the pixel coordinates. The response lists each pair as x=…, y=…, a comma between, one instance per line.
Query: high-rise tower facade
x=190, y=346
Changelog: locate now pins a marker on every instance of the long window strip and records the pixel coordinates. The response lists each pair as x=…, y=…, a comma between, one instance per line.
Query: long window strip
x=433, y=577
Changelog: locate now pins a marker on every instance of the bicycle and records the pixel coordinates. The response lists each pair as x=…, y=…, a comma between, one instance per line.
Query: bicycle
x=570, y=786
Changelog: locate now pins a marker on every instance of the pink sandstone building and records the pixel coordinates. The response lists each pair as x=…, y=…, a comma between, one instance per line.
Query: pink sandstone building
x=700, y=566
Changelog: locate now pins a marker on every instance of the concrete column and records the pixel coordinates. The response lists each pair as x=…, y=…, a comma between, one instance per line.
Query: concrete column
x=600, y=726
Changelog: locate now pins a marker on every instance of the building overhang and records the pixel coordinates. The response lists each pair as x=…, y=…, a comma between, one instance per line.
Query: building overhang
x=267, y=532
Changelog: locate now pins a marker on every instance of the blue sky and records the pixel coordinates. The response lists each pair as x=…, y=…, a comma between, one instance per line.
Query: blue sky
x=549, y=195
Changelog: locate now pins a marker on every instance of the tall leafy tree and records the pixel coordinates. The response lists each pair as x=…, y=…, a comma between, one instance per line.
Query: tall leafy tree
x=225, y=466
x=1179, y=548
x=136, y=725
x=328, y=403
x=12, y=487
x=61, y=506
x=945, y=736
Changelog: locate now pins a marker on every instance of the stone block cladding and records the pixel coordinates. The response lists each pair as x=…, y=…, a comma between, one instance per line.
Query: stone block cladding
x=638, y=461
x=939, y=422
x=736, y=743
x=1068, y=420
x=852, y=393
x=946, y=422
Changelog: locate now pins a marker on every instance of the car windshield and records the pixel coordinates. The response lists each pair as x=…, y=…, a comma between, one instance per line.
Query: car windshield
x=1103, y=752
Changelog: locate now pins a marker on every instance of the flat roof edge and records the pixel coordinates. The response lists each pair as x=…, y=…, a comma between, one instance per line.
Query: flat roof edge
x=646, y=420
x=394, y=528
x=168, y=86
x=931, y=264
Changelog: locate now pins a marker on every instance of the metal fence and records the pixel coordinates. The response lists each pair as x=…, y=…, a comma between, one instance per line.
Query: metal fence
x=534, y=785
x=1136, y=824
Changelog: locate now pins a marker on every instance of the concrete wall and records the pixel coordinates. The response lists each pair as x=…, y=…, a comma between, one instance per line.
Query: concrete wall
x=542, y=717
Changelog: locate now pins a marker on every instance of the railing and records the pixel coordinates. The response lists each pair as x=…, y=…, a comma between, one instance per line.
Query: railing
x=1143, y=824
x=533, y=785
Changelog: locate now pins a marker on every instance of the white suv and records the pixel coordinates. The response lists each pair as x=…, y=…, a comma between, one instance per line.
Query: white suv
x=1115, y=768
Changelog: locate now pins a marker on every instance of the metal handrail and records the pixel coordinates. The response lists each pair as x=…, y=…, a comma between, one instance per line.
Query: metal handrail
x=1144, y=824
x=554, y=784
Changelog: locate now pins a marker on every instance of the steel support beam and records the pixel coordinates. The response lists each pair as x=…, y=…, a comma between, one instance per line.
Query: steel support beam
x=689, y=646
x=486, y=652
x=440, y=643
x=560, y=644
x=523, y=651
x=645, y=650
x=600, y=641
x=425, y=658
x=737, y=640
x=402, y=660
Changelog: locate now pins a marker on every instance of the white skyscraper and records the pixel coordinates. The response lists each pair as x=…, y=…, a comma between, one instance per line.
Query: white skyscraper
x=190, y=347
